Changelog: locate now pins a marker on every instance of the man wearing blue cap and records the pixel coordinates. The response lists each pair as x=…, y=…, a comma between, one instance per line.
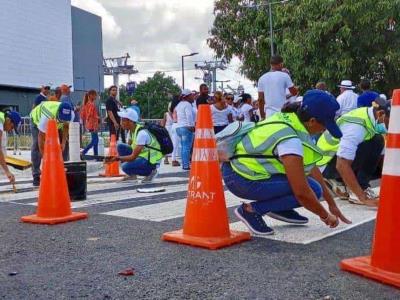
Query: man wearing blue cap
x=9, y=121
x=63, y=113
x=356, y=156
x=275, y=166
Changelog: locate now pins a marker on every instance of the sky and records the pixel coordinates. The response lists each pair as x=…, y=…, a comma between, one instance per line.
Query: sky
x=156, y=33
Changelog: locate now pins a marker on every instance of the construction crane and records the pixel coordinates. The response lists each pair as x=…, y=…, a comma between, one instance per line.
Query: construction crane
x=116, y=66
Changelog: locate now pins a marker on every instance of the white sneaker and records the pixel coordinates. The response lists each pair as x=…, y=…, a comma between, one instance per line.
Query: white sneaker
x=153, y=175
x=338, y=189
x=371, y=193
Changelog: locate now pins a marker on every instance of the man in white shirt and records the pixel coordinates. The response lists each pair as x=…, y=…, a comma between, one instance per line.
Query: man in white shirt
x=185, y=126
x=272, y=88
x=347, y=98
x=358, y=152
x=144, y=154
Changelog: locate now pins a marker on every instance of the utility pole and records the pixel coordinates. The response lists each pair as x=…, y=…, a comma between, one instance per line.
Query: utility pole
x=116, y=66
x=209, y=69
x=222, y=83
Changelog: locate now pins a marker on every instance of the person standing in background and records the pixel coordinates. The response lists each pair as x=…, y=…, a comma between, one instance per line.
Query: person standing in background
x=272, y=88
x=44, y=93
x=91, y=120
x=204, y=97
x=185, y=126
x=167, y=122
x=113, y=119
x=221, y=113
x=246, y=110
x=347, y=98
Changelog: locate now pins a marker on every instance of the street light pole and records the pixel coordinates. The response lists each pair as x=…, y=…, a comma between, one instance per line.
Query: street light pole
x=183, y=65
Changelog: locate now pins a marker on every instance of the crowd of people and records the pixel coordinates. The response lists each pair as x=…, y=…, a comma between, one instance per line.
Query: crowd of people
x=297, y=150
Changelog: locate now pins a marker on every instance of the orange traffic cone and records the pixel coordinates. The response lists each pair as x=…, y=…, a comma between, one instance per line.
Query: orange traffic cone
x=54, y=205
x=206, y=220
x=384, y=263
x=112, y=169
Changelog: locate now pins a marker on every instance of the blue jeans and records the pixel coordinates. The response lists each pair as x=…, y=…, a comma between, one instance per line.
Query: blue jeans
x=271, y=195
x=93, y=143
x=139, y=166
x=186, y=145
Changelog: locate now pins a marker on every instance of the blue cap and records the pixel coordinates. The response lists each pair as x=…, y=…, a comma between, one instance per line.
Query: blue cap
x=65, y=112
x=322, y=106
x=366, y=99
x=15, y=118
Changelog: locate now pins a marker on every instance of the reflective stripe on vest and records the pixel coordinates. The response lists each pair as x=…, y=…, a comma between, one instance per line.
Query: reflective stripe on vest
x=153, y=156
x=49, y=109
x=330, y=145
x=262, y=141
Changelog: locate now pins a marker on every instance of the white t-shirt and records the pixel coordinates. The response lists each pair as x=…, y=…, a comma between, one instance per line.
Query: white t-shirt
x=235, y=112
x=274, y=84
x=347, y=101
x=353, y=135
x=185, y=114
x=291, y=146
x=245, y=111
x=143, y=138
x=44, y=120
x=220, y=117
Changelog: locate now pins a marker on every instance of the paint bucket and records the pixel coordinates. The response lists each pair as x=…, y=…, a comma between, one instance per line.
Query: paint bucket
x=76, y=179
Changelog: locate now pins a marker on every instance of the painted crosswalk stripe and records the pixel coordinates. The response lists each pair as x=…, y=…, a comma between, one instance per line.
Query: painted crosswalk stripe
x=117, y=187
x=300, y=234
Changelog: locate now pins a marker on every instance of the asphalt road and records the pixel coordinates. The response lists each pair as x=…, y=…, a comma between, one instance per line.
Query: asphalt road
x=82, y=260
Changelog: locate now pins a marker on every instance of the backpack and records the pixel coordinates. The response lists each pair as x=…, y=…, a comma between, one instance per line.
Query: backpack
x=228, y=138
x=162, y=136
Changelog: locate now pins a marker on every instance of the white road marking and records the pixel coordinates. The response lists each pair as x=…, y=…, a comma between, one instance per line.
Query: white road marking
x=10, y=196
x=163, y=211
x=315, y=230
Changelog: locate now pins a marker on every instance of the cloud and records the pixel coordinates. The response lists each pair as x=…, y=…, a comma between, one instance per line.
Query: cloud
x=110, y=27
x=156, y=33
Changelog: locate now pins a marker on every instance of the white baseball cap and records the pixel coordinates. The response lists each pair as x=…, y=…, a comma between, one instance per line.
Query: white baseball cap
x=129, y=114
x=186, y=92
x=347, y=84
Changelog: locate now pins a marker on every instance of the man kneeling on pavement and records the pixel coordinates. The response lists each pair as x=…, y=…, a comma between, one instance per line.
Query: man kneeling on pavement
x=142, y=156
x=355, y=158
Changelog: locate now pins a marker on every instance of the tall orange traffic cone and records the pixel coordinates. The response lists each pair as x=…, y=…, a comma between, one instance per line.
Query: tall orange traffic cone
x=112, y=169
x=206, y=220
x=54, y=205
x=384, y=263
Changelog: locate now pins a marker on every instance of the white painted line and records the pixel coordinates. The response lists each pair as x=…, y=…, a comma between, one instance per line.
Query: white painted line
x=163, y=211
x=92, y=187
x=391, y=164
x=315, y=230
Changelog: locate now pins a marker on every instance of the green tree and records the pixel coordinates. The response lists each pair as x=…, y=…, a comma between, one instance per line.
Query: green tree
x=154, y=95
x=326, y=40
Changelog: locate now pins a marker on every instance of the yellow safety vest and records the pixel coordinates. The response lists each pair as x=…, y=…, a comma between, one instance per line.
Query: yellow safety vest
x=48, y=109
x=153, y=156
x=2, y=118
x=330, y=145
x=255, y=158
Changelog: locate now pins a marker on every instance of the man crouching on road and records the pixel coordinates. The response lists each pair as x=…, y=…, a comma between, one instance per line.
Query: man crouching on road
x=356, y=156
x=8, y=121
x=141, y=157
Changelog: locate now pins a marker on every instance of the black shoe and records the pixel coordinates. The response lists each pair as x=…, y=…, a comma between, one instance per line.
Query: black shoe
x=36, y=182
x=288, y=216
